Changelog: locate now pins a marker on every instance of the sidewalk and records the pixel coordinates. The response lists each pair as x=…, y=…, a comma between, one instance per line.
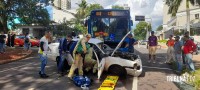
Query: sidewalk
x=13, y=54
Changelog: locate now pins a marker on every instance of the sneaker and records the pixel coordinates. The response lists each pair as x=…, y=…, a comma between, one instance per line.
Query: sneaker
x=70, y=78
x=44, y=76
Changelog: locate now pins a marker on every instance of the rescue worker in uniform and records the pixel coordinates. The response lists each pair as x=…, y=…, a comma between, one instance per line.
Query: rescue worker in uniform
x=79, y=52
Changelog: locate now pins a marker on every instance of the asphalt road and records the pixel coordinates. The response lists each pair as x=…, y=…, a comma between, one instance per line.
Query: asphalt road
x=23, y=75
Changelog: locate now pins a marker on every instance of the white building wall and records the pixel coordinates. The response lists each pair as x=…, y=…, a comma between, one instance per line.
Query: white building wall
x=59, y=15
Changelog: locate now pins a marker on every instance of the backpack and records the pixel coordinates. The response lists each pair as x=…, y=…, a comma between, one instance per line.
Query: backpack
x=81, y=81
x=26, y=40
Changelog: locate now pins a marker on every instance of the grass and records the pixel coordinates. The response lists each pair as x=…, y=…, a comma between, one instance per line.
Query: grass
x=194, y=82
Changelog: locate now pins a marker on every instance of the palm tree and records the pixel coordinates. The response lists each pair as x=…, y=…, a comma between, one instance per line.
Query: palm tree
x=81, y=11
x=175, y=4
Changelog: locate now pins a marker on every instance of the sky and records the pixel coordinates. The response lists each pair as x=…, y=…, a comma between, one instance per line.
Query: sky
x=149, y=8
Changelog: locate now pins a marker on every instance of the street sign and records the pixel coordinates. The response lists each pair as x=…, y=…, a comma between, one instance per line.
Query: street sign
x=139, y=18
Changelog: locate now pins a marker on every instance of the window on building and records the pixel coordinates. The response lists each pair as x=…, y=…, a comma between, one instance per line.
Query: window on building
x=196, y=16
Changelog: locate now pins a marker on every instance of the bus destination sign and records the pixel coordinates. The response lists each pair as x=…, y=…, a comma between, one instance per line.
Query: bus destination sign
x=111, y=13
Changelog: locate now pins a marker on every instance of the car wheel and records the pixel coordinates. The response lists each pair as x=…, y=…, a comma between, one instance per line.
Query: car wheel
x=21, y=45
x=117, y=70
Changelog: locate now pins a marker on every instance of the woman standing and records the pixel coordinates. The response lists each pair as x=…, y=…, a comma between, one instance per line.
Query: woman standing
x=13, y=39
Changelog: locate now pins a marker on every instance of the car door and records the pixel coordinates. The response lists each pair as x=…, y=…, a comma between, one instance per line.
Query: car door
x=100, y=60
x=54, y=51
x=120, y=43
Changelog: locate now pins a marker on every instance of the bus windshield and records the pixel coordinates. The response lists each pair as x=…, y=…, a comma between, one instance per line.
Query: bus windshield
x=113, y=29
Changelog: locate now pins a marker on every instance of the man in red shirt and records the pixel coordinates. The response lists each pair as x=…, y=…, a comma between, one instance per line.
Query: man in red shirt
x=188, y=48
x=170, y=51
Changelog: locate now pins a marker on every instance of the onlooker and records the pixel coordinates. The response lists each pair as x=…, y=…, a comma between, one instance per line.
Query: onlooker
x=178, y=53
x=43, y=50
x=152, y=44
x=2, y=42
x=188, y=48
x=27, y=42
x=9, y=39
x=183, y=41
x=64, y=48
x=130, y=44
x=79, y=53
x=170, y=50
x=13, y=39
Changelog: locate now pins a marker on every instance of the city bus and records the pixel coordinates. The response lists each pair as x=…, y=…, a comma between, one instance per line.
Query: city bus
x=111, y=25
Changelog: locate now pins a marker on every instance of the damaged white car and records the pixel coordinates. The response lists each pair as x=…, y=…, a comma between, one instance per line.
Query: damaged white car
x=108, y=59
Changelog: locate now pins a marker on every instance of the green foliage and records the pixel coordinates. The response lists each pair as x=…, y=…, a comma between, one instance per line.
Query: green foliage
x=28, y=10
x=117, y=7
x=92, y=7
x=175, y=4
x=140, y=30
x=162, y=41
x=159, y=28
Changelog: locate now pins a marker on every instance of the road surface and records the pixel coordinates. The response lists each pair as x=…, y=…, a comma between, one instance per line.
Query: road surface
x=23, y=75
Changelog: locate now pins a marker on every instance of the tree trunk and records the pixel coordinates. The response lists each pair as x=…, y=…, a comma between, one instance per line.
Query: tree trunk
x=188, y=15
x=3, y=25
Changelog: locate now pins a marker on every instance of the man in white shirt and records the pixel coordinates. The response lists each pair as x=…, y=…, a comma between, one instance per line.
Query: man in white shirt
x=43, y=49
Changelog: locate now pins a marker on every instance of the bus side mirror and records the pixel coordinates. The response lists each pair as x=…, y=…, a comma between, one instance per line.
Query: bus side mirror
x=131, y=23
x=86, y=23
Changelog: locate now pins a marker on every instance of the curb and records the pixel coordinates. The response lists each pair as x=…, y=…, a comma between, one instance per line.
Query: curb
x=13, y=60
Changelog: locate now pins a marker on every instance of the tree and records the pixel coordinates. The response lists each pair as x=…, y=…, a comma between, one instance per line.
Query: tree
x=30, y=11
x=117, y=7
x=159, y=28
x=175, y=4
x=140, y=30
x=92, y=7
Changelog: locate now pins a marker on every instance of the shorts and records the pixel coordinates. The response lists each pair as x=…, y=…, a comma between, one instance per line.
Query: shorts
x=152, y=50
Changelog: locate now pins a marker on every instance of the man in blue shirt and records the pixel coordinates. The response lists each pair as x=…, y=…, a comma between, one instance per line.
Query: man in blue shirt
x=130, y=44
x=64, y=49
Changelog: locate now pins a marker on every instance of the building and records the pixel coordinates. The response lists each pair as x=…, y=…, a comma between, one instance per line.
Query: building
x=177, y=25
x=62, y=4
x=60, y=15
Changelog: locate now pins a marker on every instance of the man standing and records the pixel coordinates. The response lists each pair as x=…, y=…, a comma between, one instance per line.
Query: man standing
x=2, y=42
x=43, y=49
x=27, y=42
x=178, y=53
x=64, y=48
x=170, y=50
x=188, y=48
x=79, y=53
x=131, y=42
x=152, y=44
x=183, y=41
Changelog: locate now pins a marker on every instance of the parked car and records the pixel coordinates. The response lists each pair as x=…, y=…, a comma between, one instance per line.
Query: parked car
x=19, y=41
x=108, y=59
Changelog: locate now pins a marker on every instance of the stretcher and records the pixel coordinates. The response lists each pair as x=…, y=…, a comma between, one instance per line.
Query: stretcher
x=109, y=83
